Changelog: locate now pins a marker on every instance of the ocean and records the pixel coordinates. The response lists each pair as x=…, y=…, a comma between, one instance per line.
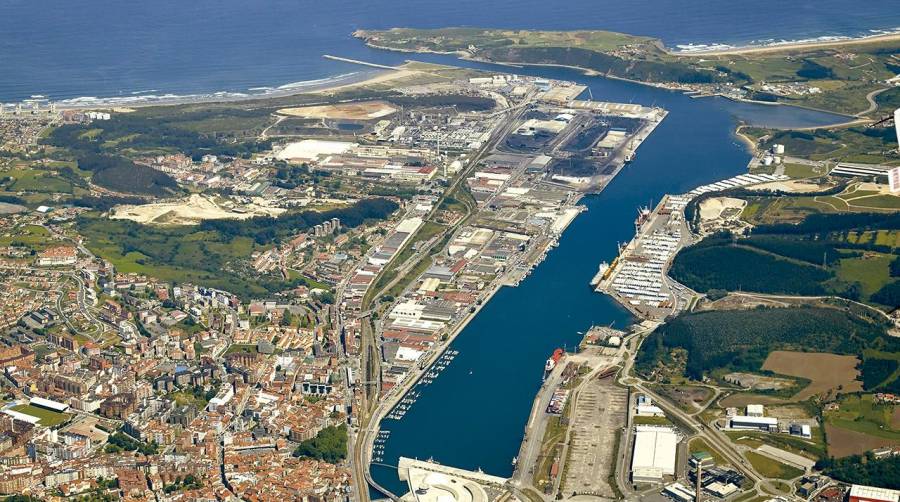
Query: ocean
x=104, y=48
x=473, y=415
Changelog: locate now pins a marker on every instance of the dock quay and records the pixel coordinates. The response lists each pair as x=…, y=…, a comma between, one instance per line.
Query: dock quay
x=532, y=166
x=361, y=63
x=618, y=109
x=432, y=482
x=604, y=336
x=637, y=278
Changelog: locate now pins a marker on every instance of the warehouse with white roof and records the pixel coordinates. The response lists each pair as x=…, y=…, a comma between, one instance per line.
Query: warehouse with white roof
x=654, y=454
x=862, y=493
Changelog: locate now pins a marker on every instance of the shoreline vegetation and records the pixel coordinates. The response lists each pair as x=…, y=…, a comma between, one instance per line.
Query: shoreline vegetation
x=819, y=75
x=715, y=50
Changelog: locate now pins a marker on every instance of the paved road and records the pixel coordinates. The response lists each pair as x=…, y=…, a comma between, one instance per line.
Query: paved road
x=363, y=440
x=530, y=451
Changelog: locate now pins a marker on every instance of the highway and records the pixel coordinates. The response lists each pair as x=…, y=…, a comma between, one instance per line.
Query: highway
x=713, y=437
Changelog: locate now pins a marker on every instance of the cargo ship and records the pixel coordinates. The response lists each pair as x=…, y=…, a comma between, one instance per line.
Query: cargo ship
x=642, y=217
x=551, y=363
x=601, y=273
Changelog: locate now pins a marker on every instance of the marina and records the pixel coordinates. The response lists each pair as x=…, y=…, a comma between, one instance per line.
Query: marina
x=432, y=373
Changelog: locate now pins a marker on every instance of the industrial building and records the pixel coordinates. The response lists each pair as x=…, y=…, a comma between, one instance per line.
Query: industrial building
x=679, y=492
x=861, y=170
x=802, y=430
x=768, y=424
x=738, y=181
x=861, y=493
x=654, y=454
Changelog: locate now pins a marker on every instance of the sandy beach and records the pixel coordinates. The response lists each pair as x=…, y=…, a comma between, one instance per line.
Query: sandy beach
x=380, y=78
x=791, y=46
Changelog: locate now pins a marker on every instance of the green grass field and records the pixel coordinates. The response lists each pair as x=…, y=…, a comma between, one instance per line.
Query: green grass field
x=652, y=421
x=802, y=171
x=771, y=468
x=48, y=418
x=44, y=182
x=33, y=237
x=877, y=202
x=786, y=209
x=861, y=414
x=871, y=272
x=812, y=448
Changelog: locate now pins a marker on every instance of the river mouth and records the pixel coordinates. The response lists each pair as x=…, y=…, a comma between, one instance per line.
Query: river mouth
x=474, y=412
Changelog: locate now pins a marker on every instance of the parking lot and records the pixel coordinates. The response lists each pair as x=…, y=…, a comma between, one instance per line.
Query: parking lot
x=599, y=415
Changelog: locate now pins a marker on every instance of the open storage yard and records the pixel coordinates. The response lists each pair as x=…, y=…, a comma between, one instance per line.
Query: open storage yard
x=599, y=414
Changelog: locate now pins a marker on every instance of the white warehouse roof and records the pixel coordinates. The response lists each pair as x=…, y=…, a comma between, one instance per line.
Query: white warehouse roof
x=310, y=149
x=654, y=453
x=22, y=416
x=873, y=493
x=409, y=225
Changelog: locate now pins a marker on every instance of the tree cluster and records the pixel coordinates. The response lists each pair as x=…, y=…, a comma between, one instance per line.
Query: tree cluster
x=330, y=445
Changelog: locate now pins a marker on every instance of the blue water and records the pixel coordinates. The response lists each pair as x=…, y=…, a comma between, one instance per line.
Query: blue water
x=476, y=420
x=474, y=414
x=66, y=49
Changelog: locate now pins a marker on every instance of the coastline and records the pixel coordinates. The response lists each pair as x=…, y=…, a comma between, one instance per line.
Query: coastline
x=318, y=86
x=588, y=72
x=712, y=49
x=790, y=45
x=746, y=139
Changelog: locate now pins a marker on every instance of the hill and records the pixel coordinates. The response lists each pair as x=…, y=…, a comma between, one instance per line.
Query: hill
x=740, y=340
x=822, y=255
x=216, y=253
x=819, y=76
